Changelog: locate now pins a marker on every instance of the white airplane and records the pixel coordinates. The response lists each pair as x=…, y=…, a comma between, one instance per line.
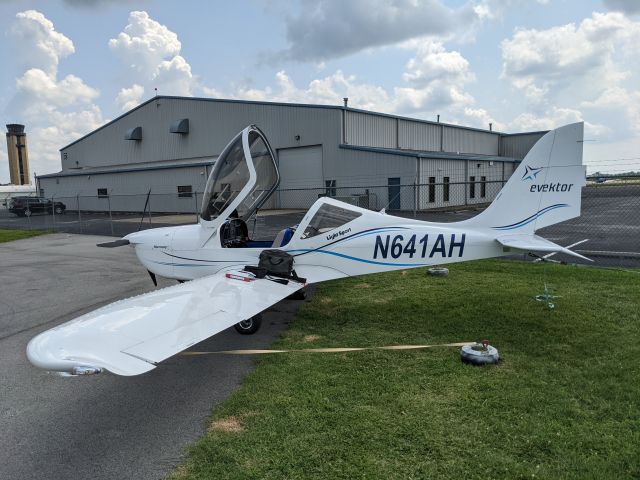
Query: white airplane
x=226, y=287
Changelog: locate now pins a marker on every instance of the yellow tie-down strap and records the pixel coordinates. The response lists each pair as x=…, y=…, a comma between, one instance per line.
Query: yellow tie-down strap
x=328, y=350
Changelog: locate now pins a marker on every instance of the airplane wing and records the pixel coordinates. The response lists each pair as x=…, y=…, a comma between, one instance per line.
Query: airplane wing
x=131, y=336
x=535, y=243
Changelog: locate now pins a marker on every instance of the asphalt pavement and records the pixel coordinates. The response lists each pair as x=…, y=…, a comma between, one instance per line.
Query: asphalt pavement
x=102, y=426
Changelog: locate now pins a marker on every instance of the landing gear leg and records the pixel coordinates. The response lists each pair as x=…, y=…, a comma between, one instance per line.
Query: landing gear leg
x=250, y=326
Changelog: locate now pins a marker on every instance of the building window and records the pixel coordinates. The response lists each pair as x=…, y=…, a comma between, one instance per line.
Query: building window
x=102, y=193
x=42, y=193
x=483, y=187
x=445, y=189
x=331, y=188
x=472, y=187
x=185, y=191
x=432, y=189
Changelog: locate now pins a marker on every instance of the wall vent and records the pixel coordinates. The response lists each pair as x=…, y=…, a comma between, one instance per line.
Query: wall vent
x=134, y=134
x=180, y=126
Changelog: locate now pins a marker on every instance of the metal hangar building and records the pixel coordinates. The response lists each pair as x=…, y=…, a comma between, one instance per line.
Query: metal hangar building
x=167, y=145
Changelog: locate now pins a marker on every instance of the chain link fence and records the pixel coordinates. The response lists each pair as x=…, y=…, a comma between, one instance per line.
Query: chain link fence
x=610, y=220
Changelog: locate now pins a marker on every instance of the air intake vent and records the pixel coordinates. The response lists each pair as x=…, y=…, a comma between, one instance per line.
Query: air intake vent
x=180, y=126
x=134, y=134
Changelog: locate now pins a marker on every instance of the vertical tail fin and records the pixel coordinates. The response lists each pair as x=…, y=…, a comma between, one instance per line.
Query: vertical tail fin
x=545, y=188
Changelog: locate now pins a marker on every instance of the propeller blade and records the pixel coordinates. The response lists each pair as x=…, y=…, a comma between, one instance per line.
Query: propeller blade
x=115, y=243
x=153, y=277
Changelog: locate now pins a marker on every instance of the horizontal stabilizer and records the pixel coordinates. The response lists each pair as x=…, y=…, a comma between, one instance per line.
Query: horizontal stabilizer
x=115, y=243
x=535, y=243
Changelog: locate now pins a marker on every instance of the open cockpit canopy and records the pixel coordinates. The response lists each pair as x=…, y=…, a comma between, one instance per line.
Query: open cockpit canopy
x=243, y=177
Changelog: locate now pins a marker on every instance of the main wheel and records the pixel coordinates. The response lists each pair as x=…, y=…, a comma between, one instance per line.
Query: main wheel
x=58, y=210
x=298, y=295
x=250, y=326
x=27, y=213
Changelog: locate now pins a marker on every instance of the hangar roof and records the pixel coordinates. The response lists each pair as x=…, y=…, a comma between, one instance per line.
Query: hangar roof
x=283, y=104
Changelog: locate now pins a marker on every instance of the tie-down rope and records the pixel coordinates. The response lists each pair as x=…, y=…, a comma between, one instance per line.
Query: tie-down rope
x=328, y=350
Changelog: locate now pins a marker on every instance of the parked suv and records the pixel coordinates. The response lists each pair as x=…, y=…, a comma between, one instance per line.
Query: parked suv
x=25, y=206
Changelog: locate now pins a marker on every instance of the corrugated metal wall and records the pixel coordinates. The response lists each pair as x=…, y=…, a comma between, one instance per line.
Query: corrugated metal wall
x=460, y=140
x=518, y=145
x=420, y=136
x=370, y=130
x=211, y=124
x=127, y=192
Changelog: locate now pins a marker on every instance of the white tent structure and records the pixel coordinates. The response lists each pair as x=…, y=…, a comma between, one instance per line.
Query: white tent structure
x=9, y=191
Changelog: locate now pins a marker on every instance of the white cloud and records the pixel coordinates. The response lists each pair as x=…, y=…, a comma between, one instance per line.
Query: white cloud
x=324, y=29
x=434, y=82
x=55, y=111
x=434, y=63
x=612, y=102
x=144, y=43
x=58, y=130
x=212, y=92
x=564, y=55
x=481, y=118
x=151, y=53
x=329, y=90
x=129, y=98
x=37, y=42
x=71, y=90
x=175, y=76
x=587, y=71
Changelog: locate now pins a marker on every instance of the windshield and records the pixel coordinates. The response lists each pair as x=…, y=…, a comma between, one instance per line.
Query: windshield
x=238, y=185
x=327, y=218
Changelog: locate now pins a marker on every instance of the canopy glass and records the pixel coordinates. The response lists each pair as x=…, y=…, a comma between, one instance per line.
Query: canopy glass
x=243, y=178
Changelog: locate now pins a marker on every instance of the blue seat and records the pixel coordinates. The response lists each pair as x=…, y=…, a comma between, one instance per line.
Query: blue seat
x=284, y=236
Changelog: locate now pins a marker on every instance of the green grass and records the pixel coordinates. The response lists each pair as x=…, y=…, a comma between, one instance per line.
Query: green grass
x=563, y=403
x=10, y=235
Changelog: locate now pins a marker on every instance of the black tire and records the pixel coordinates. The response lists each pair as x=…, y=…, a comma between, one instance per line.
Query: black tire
x=250, y=326
x=438, y=272
x=477, y=354
x=27, y=213
x=298, y=295
x=58, y=210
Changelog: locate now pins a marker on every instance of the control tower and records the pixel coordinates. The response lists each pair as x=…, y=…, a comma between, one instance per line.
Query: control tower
x=18, y=155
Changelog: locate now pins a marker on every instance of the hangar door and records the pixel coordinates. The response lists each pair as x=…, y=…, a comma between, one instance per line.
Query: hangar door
x=301, y=179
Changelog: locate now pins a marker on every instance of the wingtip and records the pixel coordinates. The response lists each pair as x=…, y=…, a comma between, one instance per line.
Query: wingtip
x=116, y=243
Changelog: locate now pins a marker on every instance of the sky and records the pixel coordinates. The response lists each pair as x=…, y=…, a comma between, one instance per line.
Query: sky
x=69, y=66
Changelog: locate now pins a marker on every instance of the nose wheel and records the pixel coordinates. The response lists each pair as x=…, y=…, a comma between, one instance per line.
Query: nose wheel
x=249, y=326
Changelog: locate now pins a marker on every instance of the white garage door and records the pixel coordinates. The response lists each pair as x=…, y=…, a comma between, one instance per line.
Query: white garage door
x=301, y=179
